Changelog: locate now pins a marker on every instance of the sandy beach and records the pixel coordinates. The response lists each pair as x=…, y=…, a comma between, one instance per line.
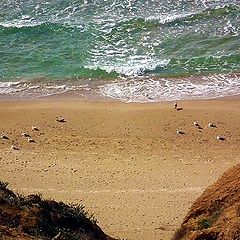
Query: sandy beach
x=124, y=162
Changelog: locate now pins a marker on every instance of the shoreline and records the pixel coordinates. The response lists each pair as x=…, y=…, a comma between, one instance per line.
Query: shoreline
x=133, y=90
x=123, y=162
x=94, y=99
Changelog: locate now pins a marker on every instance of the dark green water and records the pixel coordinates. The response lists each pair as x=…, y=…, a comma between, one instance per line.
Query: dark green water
x=105, y=40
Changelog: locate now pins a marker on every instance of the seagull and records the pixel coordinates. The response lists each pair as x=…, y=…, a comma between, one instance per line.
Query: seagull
x=175, y=105
x=24, y=134
x=61, y=119
x=179, y=131
x=220, y=138
x=35, y=128
x=196, y=124
x=14, y=147
x=30, y=140
x=211, y=125
x=2, y=136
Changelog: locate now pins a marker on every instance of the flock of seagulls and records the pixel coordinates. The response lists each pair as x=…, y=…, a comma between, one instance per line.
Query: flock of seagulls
x=24, y=134
x=197, y=125
x=27, y=135
x=62, y=120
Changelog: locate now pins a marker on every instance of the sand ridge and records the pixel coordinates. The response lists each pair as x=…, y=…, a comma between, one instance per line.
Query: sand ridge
x=124, y=162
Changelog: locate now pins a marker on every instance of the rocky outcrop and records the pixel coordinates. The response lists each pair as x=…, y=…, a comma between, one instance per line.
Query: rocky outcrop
x=215, y=215
x=32, y=217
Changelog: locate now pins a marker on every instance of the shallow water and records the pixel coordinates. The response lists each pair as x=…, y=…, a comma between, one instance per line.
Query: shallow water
x=182, y=49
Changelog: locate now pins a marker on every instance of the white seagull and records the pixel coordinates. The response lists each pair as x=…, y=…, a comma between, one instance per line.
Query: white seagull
x=175, y=105
x=61, y=119
x=24, y=134
x=196, y=124
x=211, y=125
x=14, y=147
x=30, y=140
x=35, y=128
x=2, y=136
x=220, y=138
x=179, y=131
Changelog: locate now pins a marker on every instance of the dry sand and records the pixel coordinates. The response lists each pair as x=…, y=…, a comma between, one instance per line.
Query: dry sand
x=124, y=162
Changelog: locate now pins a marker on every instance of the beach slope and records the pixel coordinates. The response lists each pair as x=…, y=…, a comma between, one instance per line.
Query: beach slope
x=124, y=162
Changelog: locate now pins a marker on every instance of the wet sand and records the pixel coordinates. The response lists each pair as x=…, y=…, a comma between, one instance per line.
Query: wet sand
x=124, y=162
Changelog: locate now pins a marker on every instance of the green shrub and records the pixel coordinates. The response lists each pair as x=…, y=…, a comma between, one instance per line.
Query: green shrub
x=204, y=223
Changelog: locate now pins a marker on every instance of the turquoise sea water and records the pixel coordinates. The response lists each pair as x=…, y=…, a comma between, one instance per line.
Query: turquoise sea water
x=125, y=50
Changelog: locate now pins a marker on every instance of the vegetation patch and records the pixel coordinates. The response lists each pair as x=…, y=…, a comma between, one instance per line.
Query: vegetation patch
x=46, y=219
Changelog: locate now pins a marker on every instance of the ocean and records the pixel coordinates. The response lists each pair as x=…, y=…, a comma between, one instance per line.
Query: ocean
x=127, y=50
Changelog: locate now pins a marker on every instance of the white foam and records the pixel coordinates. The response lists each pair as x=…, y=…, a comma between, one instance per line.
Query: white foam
x=37, y=88
x=172, y=89
x=7, y=87
x=139, y=89
x=21, y=23
x=135, y=66
x=170, y=18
